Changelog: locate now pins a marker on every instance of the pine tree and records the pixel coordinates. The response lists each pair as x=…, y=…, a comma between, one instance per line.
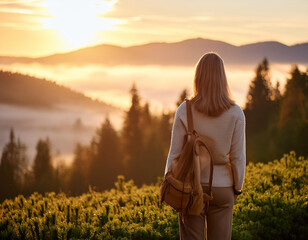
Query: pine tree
x=78, y=182
x=293, y=102
x=259, y=94
x=277, y=93
x=146, y=122
x=146, y=115
x=259, y=112
x=107, y=161
x=132, y=136
x=293, y=115
x=42, y=168
x=12, y=168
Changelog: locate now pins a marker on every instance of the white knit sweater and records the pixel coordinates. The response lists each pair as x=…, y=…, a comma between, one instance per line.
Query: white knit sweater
x=228, y=134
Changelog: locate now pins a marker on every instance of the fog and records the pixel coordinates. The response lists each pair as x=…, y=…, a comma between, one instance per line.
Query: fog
x=64, y=128
x=158, y=85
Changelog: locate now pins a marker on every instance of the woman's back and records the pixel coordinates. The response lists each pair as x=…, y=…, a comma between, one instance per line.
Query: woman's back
x=227, y=141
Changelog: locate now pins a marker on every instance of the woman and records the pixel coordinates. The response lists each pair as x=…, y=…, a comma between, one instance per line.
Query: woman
x=216, y=116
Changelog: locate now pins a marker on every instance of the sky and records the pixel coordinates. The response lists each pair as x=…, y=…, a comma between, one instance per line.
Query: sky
x=43, y=27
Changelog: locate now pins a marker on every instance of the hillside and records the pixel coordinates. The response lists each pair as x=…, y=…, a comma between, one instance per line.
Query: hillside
x=186, y=52
x=24, y=90
x=273, y=206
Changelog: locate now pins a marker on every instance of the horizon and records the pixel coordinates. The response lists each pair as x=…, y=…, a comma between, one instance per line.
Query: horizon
x=156, y=42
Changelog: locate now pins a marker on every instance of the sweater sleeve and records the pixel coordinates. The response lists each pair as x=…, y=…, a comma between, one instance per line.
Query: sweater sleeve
x=177, y=140
x=238, y=153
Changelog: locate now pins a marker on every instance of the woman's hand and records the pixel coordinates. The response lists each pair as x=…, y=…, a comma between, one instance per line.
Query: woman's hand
x=236, y=193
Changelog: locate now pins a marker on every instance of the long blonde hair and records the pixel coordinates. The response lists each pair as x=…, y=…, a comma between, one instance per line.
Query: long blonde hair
x=211, y=91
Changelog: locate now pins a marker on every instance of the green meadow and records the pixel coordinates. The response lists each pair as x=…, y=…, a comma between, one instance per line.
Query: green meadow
x=273, y=206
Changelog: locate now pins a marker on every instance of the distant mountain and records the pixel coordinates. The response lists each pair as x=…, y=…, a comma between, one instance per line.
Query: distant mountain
x=24, y=90
x=186, y=52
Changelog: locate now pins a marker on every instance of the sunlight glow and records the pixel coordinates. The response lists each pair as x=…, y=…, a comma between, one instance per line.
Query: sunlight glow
x=78, y=20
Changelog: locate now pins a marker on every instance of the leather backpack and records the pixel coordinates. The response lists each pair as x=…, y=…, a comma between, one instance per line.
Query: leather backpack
x=181, y=188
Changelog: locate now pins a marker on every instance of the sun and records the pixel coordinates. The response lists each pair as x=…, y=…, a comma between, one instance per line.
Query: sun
x=78, y=20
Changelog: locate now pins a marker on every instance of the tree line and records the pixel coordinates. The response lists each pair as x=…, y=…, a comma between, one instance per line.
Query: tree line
x=138, y=151
x=276, y=123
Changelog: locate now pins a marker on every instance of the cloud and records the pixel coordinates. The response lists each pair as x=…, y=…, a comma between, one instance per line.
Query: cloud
x=22, y=14
x=34, y=7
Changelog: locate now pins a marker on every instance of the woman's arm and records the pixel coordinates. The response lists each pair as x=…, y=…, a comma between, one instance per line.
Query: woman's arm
x=238, y=153
x=177, y=140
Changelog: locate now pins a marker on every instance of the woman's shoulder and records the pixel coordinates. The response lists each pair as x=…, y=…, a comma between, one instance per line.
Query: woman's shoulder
x=237, y=112
x=181, y=110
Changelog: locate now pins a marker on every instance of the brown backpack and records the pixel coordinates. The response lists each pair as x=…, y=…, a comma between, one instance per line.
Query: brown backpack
x=181, y=188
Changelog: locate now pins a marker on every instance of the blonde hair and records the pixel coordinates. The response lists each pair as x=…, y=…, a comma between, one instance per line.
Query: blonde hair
x=211, y=91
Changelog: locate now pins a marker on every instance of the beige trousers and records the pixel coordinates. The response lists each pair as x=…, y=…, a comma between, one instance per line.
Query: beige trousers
x=218, y=219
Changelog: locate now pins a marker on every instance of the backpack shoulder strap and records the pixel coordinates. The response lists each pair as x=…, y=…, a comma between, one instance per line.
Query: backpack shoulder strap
x=191, y=130
x=190, y=123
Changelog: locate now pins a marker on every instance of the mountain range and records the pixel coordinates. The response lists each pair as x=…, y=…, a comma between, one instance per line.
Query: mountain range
x=183, y=53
